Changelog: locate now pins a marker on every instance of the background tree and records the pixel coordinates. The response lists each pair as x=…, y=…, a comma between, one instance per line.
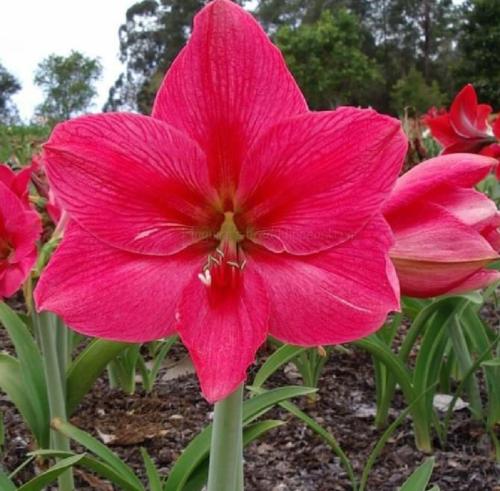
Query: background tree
x=8, y=87
x=393, y=35
x=68, y=83
x=398, y=34
x=326, y=59
x=276, y=13
x=153, y=34
x=413, y=95
x=479, y=48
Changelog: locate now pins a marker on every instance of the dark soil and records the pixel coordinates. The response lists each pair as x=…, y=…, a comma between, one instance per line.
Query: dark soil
x=290, y=458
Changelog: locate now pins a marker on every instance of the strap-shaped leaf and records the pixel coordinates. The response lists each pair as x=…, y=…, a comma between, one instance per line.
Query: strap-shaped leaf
x=281, y=356
x=10, y=383
x=87, y=367
x=198, y=449
x=99, y=449
x=32, y=375
x=40, y=482
x=154, y=478
x=419, y=480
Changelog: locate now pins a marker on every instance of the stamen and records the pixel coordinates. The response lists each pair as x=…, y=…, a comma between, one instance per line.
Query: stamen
x=205, y=277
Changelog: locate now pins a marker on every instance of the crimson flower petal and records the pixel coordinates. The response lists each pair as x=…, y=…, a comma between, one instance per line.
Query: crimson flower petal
x=335, y=296
x=16, y=182
x=441, y=129
x=102, y=291
x=445, y=171
x=20, y=228
x=468, y=205
x=224, y=331
x=496, y=127
x=465, y=115
x=476, y=281
x=226, y=86
x=434, y=252
x=139, y=174
x=300, y=186
x=482, y=113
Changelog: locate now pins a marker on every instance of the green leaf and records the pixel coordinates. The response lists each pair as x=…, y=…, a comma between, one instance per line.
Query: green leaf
x=10, y=377
x=94, y=465
x=419, y=480
x=87, y=367
x=98, y=449
x=319, y=430
x=377, y=449
x=45, y=478
x=32, y=374
x=199, y=448
x=6, y=484
x=481, y=337
x=495, y=362
x=281, y=356
x=154, y=478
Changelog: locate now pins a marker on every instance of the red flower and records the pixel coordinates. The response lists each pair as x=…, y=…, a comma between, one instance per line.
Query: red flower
x=465, y=128
x=20, y=228
x=231, y=213
x=446, y=232
x=16, y=182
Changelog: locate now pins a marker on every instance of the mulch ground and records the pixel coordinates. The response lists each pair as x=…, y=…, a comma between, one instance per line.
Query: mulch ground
x=290, y=458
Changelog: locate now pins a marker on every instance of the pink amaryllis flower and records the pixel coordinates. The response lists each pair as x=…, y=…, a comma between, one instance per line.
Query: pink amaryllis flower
x=20, y=228
x=446, y=233
x=17, y=182
x=233, y=212
x=465, y=128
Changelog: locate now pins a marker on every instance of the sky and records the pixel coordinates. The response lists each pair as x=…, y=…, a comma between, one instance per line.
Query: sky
x=31, y=30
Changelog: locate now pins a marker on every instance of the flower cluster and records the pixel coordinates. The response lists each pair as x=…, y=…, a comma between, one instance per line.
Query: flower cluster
x=465, y=127
x=20, y=228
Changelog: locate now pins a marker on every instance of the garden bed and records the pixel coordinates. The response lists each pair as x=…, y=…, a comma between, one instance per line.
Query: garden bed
x=290, y=457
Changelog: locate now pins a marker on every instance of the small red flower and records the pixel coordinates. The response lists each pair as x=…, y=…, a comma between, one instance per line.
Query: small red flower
x=465, y=128
x=446, y=232
x=232, y=213
x=20, y=228
x=16, y=182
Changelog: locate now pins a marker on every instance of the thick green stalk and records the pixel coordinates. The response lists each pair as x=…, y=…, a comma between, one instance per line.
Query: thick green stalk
x=226, y=451
x=46, y=324
x=465, y=361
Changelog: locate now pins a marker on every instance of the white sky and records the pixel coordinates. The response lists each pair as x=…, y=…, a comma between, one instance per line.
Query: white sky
x=30, y=30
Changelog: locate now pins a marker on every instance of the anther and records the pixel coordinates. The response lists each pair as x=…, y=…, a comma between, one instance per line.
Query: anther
x=205, y=277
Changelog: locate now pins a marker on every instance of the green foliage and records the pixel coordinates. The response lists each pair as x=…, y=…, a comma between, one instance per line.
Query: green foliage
x=413, y=94
x=327, y=61
x=479, y=44
x=8, y=87
x=275, y=13
x=19, y=143
x=68, y=83
x=24, y=378
x=190, y=471
x=446, y=332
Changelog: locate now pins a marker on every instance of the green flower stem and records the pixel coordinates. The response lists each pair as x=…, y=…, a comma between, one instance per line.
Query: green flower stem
x=47, y=326
x=226, y=450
